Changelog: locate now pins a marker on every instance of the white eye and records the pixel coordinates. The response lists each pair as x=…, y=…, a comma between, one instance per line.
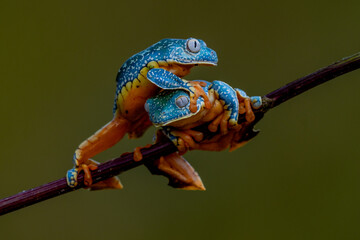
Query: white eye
x=181, y=101
x=193, y=45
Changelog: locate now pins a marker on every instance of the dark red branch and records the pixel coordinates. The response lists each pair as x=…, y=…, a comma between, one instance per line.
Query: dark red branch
x=105, y=170
x=126, y=162
x=303, y=84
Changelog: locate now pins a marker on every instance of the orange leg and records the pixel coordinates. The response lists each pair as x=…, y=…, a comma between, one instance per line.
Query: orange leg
x=245, y=107
x=214, y=111
x=198, y=92
x=103, y=139
x=179, y=172
x=242, y=109
x=224, y=122
x=213, y=126
x=186, y=139
x=249, y=115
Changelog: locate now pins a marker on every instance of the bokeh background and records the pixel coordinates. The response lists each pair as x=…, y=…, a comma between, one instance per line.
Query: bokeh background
x=299, y=179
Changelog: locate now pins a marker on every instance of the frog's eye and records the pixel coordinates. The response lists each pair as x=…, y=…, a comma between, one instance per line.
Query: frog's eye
x=193, y=45
x=181, y=101
x=146, y=106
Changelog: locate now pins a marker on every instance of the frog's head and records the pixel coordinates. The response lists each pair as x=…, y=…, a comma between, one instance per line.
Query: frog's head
x=182, y=54
x=170, y=106
x=190, y=51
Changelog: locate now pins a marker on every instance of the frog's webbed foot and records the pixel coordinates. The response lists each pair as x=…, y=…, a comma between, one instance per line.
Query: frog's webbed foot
x=247, y=104
x=223, y=121
x=72, y=174
x=91, y=165
x=184, y=140
x=180, y=173
x=196, y=92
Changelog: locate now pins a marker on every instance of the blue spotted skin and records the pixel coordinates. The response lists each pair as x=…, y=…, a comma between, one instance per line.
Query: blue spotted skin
x=167, y=80
x=132, y=73
x=228, y=95
x=133, y=88
x=163, y=111
x=256, y=101
x=71, y=177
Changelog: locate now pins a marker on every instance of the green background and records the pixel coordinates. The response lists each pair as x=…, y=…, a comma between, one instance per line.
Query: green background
x=299, y=179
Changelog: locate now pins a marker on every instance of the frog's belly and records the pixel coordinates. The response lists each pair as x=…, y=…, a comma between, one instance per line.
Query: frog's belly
x=132, y=98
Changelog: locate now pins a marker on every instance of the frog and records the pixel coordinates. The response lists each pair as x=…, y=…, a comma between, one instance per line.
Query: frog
x=177, y=56
x=214, y=129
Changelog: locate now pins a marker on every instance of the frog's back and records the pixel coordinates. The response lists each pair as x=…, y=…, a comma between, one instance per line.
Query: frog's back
x=132, y=74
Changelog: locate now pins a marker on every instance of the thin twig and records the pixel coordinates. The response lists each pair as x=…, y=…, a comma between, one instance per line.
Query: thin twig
x=303, y=84
x=106, y=170
x=116, y=166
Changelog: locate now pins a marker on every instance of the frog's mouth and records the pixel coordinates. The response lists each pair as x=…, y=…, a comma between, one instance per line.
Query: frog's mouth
x=183, y=69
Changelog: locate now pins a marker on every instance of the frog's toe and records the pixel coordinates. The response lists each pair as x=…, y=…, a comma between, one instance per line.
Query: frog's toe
x=256, y=102
x=71, y=177
x=72, y=174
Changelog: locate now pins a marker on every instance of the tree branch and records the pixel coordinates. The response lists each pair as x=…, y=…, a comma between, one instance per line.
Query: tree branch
x=116, y=166
x=303, y=84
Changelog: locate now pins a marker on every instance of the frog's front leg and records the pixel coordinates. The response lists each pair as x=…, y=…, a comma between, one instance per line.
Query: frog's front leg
x=227, y=97
x=103, y=139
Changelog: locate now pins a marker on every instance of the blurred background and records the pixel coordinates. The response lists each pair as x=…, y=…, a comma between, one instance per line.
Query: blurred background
x=298, y=179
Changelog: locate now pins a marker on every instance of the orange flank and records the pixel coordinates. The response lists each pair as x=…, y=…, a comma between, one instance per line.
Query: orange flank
x=131, y=105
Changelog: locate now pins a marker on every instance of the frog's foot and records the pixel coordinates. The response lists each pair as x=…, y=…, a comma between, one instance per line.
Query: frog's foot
x=137, y=153
x=187, y=139
x=245, y=104
x=180, y=173
x=223, y=121
x=72, y=175
x=91, y=165
x=196, y=92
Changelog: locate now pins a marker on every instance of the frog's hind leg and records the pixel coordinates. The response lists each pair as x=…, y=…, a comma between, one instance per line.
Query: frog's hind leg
x=103, y=139
x=180, y=173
